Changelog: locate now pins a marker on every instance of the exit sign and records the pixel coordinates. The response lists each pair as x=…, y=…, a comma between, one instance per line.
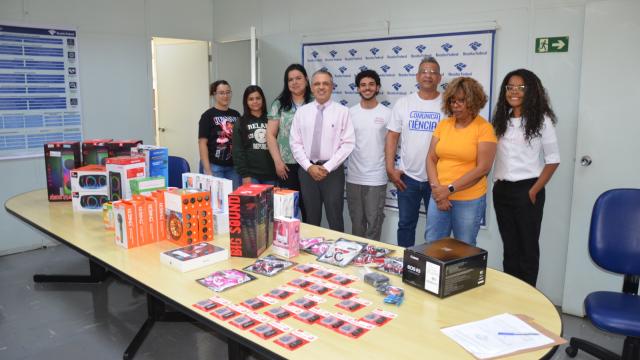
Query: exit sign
x=552, y=44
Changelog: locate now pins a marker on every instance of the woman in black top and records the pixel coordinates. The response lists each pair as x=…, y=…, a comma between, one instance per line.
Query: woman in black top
x=215, y=135
x=250, y=153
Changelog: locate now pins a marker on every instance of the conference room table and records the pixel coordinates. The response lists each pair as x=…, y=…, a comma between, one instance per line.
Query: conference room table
x=415, y=332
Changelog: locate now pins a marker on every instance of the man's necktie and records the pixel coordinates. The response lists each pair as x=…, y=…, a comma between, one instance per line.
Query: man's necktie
x=314, y=155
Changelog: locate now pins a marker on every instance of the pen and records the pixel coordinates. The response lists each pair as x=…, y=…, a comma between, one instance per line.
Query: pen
x=517, y=334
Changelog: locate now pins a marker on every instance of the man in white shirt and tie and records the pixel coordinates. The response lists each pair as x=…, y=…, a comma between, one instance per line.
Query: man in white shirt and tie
x=321, y=138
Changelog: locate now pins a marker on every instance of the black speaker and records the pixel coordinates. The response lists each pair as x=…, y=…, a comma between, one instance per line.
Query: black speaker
x=93, y=201
x=92, y=181
x=115, y=186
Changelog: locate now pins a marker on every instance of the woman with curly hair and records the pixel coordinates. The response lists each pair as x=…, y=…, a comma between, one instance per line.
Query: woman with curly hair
x=526, y=158
x=460, y=156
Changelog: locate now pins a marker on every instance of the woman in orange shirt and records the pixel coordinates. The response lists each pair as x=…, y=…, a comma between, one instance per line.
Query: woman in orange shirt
x=460, y=156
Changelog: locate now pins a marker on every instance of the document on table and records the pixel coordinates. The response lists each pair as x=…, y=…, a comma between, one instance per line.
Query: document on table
x=496, y=336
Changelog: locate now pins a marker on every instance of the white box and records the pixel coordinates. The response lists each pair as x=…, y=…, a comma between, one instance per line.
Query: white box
x=193, y=257
x=285, y=203
x=89, y=201
x=119, y=171
x=221, y=222
x=220, y=189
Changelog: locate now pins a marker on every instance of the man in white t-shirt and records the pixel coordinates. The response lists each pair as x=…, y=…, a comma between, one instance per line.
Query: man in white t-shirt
x=413, y=120
x=366, y=174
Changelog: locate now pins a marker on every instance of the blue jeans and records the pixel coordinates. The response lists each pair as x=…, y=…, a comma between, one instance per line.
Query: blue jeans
x=409, y=206
x=225, y=172
x=463, y=219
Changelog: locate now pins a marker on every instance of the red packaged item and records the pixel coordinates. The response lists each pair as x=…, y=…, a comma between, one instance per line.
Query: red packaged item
x=254, y=304
x=331, y=322
x=351, y=330
x=305, y=269
x=375, y=319
x=342, y=294
x=323, y=274
x=206, y=305
x=341, y=280
x=308, y=317
x=317, y=289
x=290, y=341
x=266, y=331
x=279, y=294
x=350, y=305
x=300, y=282
x=250, y=224
x=224, y=313
x=304, y=303
x=278, y=313
x=244, y=322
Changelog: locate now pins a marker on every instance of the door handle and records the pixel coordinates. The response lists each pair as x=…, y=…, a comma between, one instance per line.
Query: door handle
x=586, y=161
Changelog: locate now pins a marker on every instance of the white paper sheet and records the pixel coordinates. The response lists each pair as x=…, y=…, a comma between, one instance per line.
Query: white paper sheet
x=496, y=336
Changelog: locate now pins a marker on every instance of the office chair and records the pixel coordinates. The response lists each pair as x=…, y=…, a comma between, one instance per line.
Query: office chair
x=177, y=166
x=614, y=245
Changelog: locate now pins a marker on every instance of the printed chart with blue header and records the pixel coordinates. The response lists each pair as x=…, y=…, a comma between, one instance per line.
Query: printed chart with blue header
x=39, y=89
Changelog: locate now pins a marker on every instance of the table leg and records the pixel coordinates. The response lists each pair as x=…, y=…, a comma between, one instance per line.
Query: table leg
x=96, y=274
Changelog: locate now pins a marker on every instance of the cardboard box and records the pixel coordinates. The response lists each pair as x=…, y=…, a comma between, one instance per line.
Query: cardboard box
x=194, y=256
x=126, y=231
x=156, y=159
x=287, y=237
x=60, y=158
x=146, y=185
x=249, y=221
x=220, y=189
x=161, y=217
x=95, y=151
x=189, y=219
x=267, y=195
x=89, y=188
x=120, y=170
x=286, y=203
x=445, y=267
x=122, y=147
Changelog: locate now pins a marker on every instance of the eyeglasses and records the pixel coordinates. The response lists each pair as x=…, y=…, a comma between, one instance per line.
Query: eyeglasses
x=453, y=101
x=429, y=72
x=223, y=93
x=514, y=88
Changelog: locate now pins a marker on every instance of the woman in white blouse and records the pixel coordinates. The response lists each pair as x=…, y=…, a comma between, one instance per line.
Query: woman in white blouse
x=526, y=158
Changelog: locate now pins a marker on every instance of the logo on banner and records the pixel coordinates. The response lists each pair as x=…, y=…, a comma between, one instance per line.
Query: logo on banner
x=475, y=46
x=324, y=68
x=374, y=51
x=443, y=86
x=423, y=120
x=363, y=68
x=460, y=67
x=396, y=50
x=353, y=88
x=353, y=53
x=385, y=103
x=342, y=69
x=408, y=69
x=315, y=55
x=343, y=102
x=420, y=48
x=447, y=48
x=385, y=68
x=333, y=54
x=396, y=86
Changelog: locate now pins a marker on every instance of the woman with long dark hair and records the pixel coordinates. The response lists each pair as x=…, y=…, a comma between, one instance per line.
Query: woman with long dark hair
x=526, y=158
x=214, y=134
x=295, y=93
x=251, y=157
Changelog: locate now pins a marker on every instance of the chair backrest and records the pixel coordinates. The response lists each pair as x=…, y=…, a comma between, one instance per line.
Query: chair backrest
x=177, y=166
x=614, y=234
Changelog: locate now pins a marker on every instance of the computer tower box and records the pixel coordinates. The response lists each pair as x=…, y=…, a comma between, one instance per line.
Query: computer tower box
x=122, y=147
x=248, y=222
x=60, y=158
x=120, y=170
x=445, y=267
x=95, y=151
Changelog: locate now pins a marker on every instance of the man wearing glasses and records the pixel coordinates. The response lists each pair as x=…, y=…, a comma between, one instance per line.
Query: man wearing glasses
x=413, y=120
x=321, y=139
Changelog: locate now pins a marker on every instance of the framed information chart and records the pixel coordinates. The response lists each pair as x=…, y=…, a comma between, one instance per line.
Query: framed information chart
x=39, y=89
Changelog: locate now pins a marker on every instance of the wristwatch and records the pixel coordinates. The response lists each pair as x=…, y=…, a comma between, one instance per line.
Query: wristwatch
x=451, y=188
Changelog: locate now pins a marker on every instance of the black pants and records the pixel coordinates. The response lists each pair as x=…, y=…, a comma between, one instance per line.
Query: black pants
x=293, y=183
x=329, y=192
x=519, y=222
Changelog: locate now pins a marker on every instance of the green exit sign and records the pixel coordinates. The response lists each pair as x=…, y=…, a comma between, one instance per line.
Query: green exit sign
x=552, y=44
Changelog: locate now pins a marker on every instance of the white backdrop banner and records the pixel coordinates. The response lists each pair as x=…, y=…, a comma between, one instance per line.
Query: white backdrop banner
x=396, y=60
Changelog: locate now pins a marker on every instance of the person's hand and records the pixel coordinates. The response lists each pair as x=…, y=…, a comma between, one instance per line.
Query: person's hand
x=439, y=192
x=282, y=170
x=533, y=193
x=444, y=205
x=317, y=172
x=207, y=172
x=246, y=180
x=395, y=177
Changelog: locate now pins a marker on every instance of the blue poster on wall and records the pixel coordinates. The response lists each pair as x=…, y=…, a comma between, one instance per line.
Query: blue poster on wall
x=39, y=89
x=396, y=60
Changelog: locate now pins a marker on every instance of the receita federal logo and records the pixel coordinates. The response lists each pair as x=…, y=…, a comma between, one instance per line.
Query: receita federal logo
x=460, y=67
x=385, y=68
x=385, y=103
x=343, y=102
x=396, y=50
x=447, y=50
x=353, y=88
x=342, y=70
x=334, y=56
x=396, y=86
x=443, y=86
x=324, y=68
x=363, y=68
x=374, y=51
x=352, y=53
x=407, y=68
x=333, y=53
x=476, y=47
x=420, y=48
x=314, y=56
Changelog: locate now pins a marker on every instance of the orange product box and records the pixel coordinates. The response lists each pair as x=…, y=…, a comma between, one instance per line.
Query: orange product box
x=149, y=204
x=160, y=214
x=126, y=234
x=183, y=209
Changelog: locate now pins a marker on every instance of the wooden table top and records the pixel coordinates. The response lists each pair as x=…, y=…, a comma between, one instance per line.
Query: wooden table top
x=415, y=331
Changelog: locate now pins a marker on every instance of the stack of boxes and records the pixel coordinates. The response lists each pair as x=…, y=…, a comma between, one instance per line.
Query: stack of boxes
x=120, y=170
x=250, y=220
x=156, y=159
x=219, y=190
x=286, y=223
x=89, y=188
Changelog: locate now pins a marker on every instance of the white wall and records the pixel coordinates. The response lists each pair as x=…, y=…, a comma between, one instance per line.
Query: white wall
x=283, y=25
x=114, y=41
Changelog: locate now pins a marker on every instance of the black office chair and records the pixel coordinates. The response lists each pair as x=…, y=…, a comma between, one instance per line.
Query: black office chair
x=177, y=166
x=614, y=245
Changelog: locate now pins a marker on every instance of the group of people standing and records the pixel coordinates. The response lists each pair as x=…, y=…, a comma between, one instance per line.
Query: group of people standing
x=305, y=140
